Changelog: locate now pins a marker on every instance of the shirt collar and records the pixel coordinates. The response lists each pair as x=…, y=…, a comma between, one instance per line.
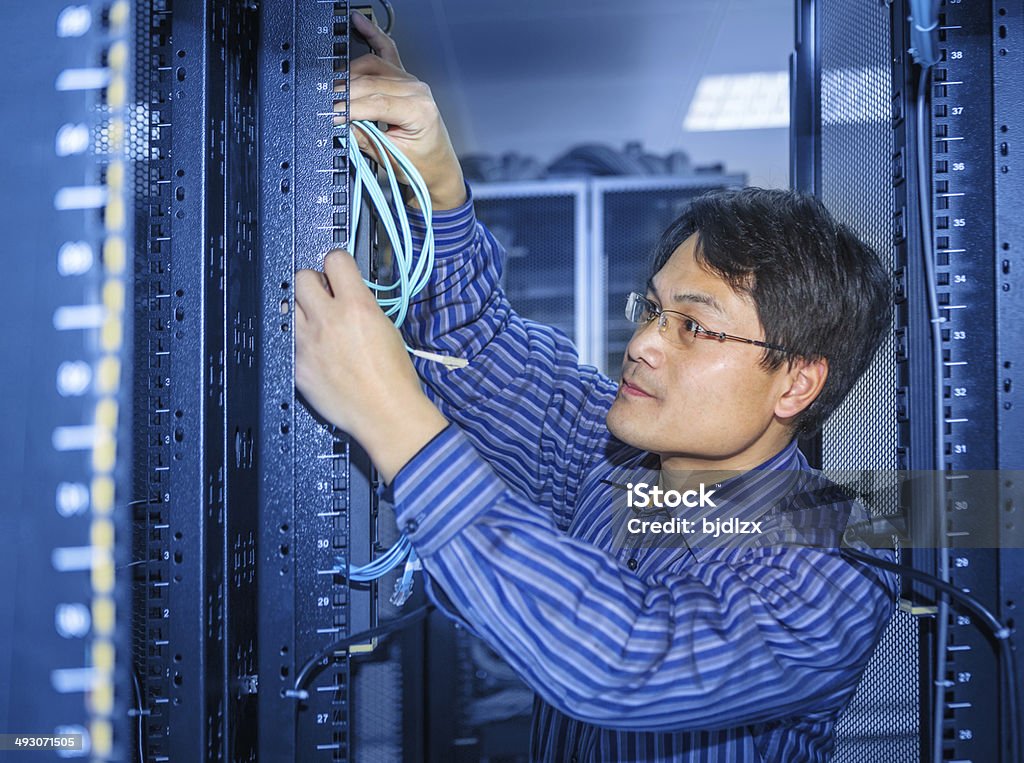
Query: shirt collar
x=743, y=496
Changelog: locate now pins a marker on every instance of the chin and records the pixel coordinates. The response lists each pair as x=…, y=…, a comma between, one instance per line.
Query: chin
x=625, y=427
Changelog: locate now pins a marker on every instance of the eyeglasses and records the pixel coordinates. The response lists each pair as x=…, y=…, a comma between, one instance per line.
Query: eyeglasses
x=680, y=329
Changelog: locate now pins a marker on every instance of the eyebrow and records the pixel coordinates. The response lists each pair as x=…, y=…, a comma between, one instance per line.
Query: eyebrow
x=698, y=297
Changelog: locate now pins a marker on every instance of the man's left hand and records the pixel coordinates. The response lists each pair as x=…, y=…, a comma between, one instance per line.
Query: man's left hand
x=352, y=367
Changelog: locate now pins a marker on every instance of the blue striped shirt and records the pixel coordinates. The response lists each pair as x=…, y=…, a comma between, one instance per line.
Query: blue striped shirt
x=738, y=649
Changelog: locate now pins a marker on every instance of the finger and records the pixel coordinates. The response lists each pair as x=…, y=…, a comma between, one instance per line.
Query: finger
x=405, y=111
x=311, y=293
x=343, y=274
x=367, y=98
x=361, y=87
x=300, y=314
x=373, y=65
x=303, y=331
x=379, y=42
x=365, y=145
x=385, y=78
x=368, y=149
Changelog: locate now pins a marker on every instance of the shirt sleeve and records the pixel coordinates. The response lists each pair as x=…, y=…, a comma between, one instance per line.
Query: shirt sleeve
x=776, y=633
x=524, y=401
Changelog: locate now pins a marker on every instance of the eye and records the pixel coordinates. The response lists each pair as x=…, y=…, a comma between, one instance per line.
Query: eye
x=651, y=310
x=691, y=326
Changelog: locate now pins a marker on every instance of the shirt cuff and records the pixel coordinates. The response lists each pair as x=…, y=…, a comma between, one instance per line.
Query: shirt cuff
x=442, y=489
x=453, y=228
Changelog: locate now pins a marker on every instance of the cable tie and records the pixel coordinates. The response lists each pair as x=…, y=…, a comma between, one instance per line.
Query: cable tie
x=445, y=360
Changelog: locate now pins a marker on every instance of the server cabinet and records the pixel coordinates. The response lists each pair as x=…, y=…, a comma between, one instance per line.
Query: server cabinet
x=628, y=217
x=543, y=226
x=68, y=166
x=253, y=508
x=865, y=118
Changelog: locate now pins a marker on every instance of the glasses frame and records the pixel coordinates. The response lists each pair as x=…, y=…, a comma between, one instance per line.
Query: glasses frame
x=661, y=315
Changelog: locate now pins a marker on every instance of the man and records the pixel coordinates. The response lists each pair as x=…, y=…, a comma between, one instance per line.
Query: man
x=515, y=476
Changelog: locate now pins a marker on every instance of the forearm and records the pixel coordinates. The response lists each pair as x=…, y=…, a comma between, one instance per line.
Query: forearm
x=392, y=442
x=461, y=307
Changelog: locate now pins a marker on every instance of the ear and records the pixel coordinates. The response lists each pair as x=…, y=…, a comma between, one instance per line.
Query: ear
x=801, y=386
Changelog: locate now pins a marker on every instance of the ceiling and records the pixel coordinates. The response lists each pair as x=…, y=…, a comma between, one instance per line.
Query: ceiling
x=540, y=77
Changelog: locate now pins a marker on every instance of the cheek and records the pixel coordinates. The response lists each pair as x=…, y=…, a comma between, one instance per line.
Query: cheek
x=712, y=376
x=750, y=390
x=721, y=388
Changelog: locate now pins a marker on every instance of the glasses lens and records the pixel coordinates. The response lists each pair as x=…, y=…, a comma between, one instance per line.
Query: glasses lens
x=676, y=329
x=637, y=308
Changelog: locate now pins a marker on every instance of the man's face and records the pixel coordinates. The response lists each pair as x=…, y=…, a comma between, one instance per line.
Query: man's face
x=708, y=405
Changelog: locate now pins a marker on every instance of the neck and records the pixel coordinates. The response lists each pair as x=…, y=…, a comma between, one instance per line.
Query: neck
x=686, y=471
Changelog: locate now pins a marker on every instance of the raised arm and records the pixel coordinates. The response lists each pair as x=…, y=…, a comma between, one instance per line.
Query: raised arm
x=523, y=400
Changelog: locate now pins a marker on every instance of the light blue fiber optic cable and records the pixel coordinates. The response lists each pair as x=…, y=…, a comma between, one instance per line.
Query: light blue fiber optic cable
x=412, y=273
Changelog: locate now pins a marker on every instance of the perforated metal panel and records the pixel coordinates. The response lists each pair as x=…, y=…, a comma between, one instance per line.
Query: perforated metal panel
x=856, y=184
x=540, y=226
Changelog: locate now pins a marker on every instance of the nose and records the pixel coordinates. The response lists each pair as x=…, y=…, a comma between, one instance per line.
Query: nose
x=646, y=345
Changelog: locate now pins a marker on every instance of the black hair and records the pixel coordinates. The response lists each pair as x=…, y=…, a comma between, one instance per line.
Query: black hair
x=819, y=291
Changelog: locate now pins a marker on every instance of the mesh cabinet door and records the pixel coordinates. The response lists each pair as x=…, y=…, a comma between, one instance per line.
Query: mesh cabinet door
x=542, y=226
x=844, y=69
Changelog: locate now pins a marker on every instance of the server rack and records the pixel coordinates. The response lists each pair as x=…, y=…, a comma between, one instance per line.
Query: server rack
x=188, y=523
x=67, y=160
x=255, y=508
x=628, y=216
x=855, y=86
x=544, y=227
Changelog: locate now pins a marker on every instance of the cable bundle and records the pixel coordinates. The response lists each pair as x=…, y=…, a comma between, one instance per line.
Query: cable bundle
x=412, y=274
x=381, y=565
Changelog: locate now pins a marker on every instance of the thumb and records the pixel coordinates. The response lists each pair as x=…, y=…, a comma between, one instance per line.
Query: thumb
x=346, y=282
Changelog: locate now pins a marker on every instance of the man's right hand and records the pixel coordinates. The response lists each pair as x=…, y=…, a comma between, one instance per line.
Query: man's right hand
x=380, y=90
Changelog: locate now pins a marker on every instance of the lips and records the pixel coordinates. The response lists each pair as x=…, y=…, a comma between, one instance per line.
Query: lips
x=633, y=390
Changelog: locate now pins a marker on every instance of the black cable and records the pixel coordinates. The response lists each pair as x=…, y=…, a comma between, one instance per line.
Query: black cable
x=1012, y=700
x=1001, y=632
x=308, y=669
x=389, y=12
